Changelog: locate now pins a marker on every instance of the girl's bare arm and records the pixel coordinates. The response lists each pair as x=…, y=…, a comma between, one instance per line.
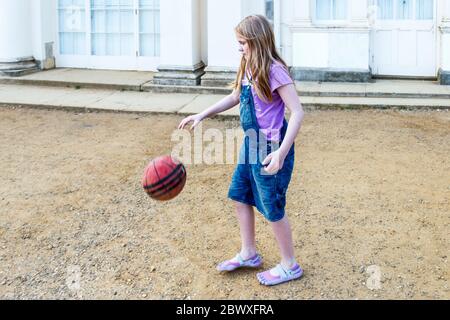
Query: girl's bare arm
x=275, y=160
x=290, y=98
x=226, y=103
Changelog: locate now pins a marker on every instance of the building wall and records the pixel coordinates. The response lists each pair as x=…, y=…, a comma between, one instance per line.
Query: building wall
x=444, y=31
x=15, y=29
x=445, y=64
x=180, y=48
x=223, y=16
x=43, y=21
x=321, y=49
x=203, y=30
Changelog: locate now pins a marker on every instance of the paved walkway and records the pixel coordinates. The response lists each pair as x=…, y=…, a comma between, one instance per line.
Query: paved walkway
x=134, y=91
x=102, y=99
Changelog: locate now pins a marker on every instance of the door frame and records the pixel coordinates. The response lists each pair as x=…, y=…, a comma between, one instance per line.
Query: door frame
x=437, y=54
x=89, y=61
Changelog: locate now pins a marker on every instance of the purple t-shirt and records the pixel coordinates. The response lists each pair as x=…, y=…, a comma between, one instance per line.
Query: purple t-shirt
x=270, y=114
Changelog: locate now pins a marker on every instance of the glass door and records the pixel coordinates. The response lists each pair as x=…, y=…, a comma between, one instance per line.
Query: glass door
x=405, y=9
x=404, y=38
x=109, y=34
x=112, y=28
x=71, y=27
x=149, y=33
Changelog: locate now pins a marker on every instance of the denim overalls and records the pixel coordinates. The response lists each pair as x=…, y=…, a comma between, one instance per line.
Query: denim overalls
x=250, y=184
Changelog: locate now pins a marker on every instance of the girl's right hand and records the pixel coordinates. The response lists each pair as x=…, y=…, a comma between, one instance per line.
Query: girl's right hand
x=196, y=118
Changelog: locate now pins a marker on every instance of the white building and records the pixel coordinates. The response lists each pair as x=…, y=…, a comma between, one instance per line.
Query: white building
x=188, y=41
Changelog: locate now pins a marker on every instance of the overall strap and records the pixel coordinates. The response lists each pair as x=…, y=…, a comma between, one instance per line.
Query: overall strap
x=250, y=105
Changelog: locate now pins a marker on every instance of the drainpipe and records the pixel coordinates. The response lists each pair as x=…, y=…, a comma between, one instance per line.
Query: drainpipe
x=277, y=24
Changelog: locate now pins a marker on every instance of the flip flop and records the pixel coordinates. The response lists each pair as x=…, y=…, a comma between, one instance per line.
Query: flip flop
x=268, y=279
x=230, y=265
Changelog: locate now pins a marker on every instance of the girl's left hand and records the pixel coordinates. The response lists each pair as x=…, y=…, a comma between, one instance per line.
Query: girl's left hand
x=273, y=162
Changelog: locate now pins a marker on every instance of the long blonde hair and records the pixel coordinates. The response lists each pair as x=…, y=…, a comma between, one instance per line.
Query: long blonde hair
x=258, y=33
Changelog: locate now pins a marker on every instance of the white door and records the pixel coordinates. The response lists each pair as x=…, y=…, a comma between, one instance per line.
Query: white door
x=108, y=34
x=404, y=38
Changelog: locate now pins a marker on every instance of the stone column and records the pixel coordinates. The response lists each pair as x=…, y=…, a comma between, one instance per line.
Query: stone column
x=223, y=49
x=444, y=27
x=16, y=50
x=44, y=19
x=180, y=43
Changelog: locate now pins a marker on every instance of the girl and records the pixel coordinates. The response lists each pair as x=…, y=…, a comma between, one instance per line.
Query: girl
x=263, y=88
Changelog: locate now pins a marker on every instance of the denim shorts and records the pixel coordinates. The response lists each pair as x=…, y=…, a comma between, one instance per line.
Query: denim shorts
x=251, y=185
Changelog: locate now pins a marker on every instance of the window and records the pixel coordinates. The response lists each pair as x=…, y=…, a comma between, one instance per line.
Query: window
x=269, y=10
x=331, y=9
x=112, y=27
x=385, y=9
x=72, y=29
x=117, y=27
x=404, y=9
x=149, y=33
x=424, y=9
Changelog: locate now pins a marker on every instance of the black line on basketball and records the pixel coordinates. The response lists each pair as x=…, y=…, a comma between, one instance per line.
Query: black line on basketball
x=175, y=178
x=156, y=171
x=177, y=183
x=175, y=171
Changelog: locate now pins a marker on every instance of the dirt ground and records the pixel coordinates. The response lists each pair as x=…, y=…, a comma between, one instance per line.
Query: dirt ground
x=369, y=200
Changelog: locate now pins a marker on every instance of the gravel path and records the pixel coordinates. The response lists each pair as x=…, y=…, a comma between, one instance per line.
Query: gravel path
x=369, y=205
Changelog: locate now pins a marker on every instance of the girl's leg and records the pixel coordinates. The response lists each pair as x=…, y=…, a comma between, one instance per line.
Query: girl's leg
x=288, y=269
x=283, y=234
x=246, y=217
x=247, y=257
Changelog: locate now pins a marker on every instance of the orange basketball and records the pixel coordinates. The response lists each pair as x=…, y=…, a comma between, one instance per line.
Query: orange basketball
x=164, y=178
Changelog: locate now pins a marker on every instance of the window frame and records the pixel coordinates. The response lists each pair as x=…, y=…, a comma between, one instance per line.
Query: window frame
x=413, y=13
x=87, y=9
x=331, y=22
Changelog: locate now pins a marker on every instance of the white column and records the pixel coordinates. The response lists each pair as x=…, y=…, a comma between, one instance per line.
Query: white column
x=445, y=4
x=223, y=50
x=444, y=27
x=16, y=51
x=15, y=29
x=204, y=30
x=180, y=43
x=44, y=21
x=286, y=19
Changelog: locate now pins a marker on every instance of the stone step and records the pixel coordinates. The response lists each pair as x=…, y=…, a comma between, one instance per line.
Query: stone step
x=18, y=68
x=350, y=90
x=374, y=102
x=144, y=81
x=179, y=103
x=375, y=94
x=333, y=103
x=379, y=89
x=19, y=72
